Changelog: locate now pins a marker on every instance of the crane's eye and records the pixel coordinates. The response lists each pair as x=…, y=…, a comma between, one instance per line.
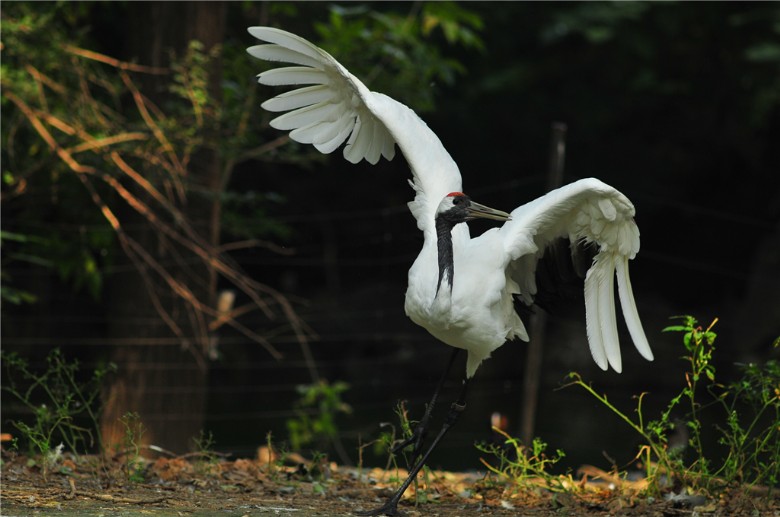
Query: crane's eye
x=457, y=200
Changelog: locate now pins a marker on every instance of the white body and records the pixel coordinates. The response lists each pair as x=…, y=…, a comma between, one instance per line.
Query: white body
x=477, y=314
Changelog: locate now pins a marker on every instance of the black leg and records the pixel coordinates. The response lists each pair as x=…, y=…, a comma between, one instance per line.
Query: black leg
x=421, y=429
x=391, y=506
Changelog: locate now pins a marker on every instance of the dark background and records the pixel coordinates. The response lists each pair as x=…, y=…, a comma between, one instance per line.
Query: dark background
x=676, y=105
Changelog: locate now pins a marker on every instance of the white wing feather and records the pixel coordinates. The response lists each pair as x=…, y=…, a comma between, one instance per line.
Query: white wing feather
x=299, y=98
x=630, y=313
x=590, y=211
x=339, y=107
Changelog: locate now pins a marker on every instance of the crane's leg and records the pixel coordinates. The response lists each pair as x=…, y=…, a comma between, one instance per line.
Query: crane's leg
x=391, y=506
x=421, y=429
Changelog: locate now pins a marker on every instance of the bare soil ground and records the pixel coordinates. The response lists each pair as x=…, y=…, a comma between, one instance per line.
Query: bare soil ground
x=197, y=486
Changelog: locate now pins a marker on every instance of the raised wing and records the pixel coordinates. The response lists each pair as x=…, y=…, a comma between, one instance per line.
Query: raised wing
x=337, y=107
x=586, y=211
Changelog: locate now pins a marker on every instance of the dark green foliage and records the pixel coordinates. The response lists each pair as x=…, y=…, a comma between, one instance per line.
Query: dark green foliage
x=246, y=215
x=73, y=96
x=9, y=293
x=46, y=202
x=400, y=53
x=317, y=410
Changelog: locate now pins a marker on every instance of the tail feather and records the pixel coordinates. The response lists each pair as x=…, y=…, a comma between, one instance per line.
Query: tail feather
x=607, y=317
x=601, y=321
x=630, y=312
x=592, y=315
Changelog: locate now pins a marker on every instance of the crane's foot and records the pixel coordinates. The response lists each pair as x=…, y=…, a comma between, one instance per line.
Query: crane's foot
x=389, y=508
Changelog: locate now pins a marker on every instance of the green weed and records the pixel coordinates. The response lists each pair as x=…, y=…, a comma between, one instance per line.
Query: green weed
x=58, y=401
x=389, y=443
x=523, y=465
x=752, y=431
x=134, y=431
x=389, y=440
x=383, y=445
x=207, y=459
x=749, y=433
x=272, y=466
x=204, y=444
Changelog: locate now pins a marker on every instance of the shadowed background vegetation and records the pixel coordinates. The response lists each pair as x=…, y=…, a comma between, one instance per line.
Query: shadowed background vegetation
x=152, y=219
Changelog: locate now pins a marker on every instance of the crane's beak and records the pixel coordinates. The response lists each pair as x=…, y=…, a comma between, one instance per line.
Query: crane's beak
x=475, y=210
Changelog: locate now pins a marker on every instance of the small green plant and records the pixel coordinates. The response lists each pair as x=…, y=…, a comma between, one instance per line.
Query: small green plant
x=384, y=445
x=699, y=344
x=134, y=431
x=272, y=463
x=750, y=432
x=316, y=412
x=204, y=443
x=207, y=459
x=389, y=442
x=319, y=471
x=59, y=402
x=380, y=446
x=521, y=464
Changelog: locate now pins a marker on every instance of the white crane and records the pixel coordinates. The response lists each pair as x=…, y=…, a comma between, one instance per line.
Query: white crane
x=461, y=289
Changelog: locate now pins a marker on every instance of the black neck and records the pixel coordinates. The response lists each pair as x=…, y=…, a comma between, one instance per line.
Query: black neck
x=444, y=243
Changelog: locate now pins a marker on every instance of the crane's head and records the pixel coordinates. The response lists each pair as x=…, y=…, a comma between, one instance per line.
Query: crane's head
x=457, y=207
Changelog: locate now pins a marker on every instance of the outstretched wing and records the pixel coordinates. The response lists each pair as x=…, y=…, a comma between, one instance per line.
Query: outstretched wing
x=337, y=107
x=586, y=211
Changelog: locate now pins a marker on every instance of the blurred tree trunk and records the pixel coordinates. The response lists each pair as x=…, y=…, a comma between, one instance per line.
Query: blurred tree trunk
x=163, y=374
